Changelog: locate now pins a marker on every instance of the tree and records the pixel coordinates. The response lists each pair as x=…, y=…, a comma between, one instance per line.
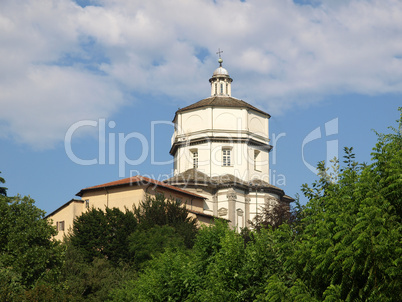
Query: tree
x=165, y=278
x=147, y=243
x=97, y=254
x=175, y=275
x=27, y=253
x=344, y=245
x=349, y=247
x=161, y=211
x=103, y=234
x=218, y=268
x=3, y=190
x=272, y=216
x=83, y=281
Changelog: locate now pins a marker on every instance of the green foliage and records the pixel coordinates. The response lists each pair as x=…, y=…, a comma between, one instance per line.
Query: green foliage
x=161, y=211
x=166, y=278
x=103, y=234
x=176, y=275
x=27, y=252
x=220, y=267
x=344, y=245
x=10, y=284
x=3, y=190
x=105, y=247
x=208, y=241
x=148, y=243
x=272, y=216
x=349, y=248
x=84, y=281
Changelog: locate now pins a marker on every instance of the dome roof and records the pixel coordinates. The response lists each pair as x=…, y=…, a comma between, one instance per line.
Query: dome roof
x=220, y=71
x=221, y=102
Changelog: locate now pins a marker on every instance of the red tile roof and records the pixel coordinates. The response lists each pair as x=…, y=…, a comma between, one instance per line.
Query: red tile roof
x=138, y=180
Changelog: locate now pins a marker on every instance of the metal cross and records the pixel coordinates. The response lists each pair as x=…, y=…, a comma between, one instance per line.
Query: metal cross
x=219, y=52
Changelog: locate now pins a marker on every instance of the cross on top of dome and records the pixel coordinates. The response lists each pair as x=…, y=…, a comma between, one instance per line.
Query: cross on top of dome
x=220, y=59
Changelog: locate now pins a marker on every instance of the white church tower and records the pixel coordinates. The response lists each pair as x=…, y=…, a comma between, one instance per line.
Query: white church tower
x=221, y=151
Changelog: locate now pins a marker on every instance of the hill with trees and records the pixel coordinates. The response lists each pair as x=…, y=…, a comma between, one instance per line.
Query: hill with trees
x=345, y=244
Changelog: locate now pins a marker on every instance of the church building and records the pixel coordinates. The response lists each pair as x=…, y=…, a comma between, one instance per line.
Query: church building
x=221, y=151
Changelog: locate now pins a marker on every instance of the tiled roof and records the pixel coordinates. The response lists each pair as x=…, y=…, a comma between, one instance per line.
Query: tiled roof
x=221, y=101
x=137, y=180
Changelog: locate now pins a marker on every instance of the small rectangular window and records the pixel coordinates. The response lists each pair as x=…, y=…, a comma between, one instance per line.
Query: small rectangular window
x=87, y=203
x=221, y=88
x=175, y=162
x=257, y=160
x=195, y=158
x=226, y=158
x=60, y=225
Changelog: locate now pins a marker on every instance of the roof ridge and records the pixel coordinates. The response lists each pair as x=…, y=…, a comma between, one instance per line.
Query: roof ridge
x=221, y=101
x=137, y=179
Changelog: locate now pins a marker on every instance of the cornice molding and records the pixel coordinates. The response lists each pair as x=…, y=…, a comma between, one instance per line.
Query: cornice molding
x=217, y=139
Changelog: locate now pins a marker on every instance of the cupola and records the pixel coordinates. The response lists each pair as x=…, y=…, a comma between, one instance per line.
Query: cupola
x=221, y=82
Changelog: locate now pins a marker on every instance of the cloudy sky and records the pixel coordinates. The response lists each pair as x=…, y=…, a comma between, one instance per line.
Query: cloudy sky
x=129, y=65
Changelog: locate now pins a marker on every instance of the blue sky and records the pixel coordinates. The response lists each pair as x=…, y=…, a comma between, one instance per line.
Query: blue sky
x=132, y=64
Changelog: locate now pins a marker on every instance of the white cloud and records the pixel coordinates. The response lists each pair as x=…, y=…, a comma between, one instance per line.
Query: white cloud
x=43, y=104
x=60, y=62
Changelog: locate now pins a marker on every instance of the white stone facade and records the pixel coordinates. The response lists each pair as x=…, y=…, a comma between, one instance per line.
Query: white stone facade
x=220, y=141
x=221, y=151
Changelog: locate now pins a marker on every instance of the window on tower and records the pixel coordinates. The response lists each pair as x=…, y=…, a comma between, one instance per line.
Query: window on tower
x=226, y=157
x=227, y=88
x=257, y=160
x=194, y=153
x=221, y=88
x=216, y=88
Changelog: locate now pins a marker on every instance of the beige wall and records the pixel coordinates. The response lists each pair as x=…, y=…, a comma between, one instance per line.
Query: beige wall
x=118, y=197
x=129, y=196
x=66, y=216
